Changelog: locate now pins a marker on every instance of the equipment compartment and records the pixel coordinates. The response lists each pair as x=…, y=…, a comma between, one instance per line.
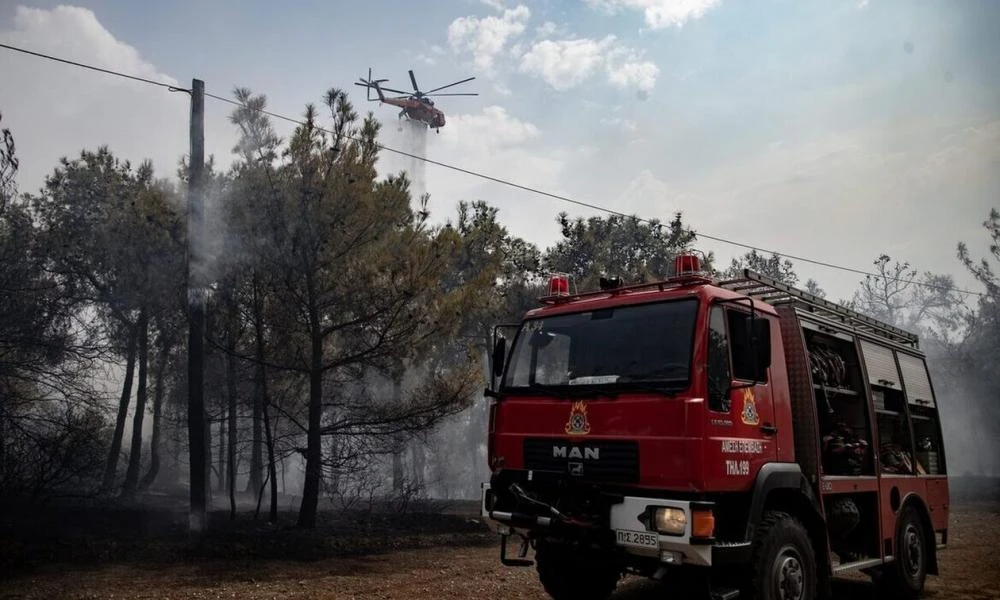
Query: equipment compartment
x=841, y=403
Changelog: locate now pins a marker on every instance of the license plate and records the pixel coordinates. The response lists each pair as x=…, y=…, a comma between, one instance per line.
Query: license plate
x=645, y=539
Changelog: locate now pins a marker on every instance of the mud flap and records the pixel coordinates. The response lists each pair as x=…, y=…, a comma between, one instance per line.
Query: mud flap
x=520, y=561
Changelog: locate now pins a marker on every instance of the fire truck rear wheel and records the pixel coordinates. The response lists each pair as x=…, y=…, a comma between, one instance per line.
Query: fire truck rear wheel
x=904, y=577
x=568, y=574
x=784, y=562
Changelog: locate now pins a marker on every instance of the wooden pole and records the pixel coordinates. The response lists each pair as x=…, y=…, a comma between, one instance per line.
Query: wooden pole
x=197, y=433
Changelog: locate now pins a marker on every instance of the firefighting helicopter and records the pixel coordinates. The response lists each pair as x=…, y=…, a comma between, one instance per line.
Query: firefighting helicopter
x=416, y=106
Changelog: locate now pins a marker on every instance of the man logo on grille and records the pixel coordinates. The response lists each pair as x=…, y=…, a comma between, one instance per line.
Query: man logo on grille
x=577, y=424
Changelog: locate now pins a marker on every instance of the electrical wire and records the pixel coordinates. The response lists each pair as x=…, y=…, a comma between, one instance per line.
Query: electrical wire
x=541, y=192
x=506, y=182
x=169, y=86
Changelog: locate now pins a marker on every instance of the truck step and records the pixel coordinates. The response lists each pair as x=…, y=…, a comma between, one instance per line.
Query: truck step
x=517, y=562
x=725, y=594
x=860, y=564
x=521, y=561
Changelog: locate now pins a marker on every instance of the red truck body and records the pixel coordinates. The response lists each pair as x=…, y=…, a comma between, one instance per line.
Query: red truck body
x=614, y=443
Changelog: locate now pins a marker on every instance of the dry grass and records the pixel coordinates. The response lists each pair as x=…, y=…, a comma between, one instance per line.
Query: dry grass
x=970, y=570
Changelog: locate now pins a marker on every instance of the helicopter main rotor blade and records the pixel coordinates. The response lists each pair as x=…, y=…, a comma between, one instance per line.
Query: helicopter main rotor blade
x=385, y=89
x=453, y=94
x=447, y=86
x=414, y=81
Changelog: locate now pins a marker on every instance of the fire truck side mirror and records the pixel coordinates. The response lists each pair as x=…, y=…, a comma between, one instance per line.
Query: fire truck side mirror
x=499, y=354
x=760, y=336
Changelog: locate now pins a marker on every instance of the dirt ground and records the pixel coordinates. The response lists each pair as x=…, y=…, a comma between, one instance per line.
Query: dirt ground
x=970, y=570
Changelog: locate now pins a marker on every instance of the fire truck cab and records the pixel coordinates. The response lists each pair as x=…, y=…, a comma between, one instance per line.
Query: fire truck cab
x=742, y=438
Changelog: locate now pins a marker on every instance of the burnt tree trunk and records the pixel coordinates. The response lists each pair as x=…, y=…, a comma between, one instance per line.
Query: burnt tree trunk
x=220, y=471
x=135, y=454
x=272, y=468
x=256, y=445
x=261, y=402
x=397, y=469
x=419, y=460
x=398, y=444
x=231, y=393
x=154, y=442
x=314, y=451
x=255, y=480
x=116, y=441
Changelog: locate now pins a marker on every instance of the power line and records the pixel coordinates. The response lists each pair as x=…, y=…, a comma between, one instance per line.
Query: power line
x=169, y=86
x=541, y=192
x=500, y=180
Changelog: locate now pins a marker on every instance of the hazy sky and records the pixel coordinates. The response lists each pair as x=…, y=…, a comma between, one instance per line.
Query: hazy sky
x=832, y=130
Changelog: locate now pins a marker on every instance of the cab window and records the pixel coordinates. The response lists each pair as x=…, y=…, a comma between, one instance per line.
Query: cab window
x=742, y=351
x=719, y=376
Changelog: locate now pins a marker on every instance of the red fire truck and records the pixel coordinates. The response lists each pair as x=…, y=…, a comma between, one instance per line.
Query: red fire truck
x=742, y=438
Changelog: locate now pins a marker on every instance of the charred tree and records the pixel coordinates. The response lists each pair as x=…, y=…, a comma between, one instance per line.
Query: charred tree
x=116, y=441
x=231, y=393
x=135, y=454
x=154, y=442
x=314, y=467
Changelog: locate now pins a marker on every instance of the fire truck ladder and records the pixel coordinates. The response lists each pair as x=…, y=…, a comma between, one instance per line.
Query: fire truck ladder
x=775, y=293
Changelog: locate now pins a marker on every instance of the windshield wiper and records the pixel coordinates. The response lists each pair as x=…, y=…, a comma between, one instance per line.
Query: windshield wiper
x=573, y=391
x=669, y=387
x=653, y=384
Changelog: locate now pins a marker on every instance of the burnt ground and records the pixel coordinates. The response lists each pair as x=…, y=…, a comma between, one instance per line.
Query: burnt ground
x=447, y=554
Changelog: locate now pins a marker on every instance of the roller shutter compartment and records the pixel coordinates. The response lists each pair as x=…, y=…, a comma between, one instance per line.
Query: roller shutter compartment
x=881, y=365
x=916, y=380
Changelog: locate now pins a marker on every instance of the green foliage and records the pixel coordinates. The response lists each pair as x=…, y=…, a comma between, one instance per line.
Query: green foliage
x=772, y=266
x=48, y=423
x=8, y=167
x=504, y=269
x=618, y=246
x=106, y=226
x=899, y=295
x=358, y=285
x=982, y=344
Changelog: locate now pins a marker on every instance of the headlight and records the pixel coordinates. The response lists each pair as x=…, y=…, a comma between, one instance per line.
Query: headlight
x=670, y=521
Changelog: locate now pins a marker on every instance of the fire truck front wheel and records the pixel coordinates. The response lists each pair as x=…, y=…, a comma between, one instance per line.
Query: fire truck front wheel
x=567, y=573
x=784, y=562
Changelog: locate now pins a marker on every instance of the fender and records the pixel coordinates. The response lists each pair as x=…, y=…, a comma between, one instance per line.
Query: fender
x=778, y=476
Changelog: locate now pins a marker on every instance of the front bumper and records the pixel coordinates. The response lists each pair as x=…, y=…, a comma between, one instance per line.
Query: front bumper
x=625, y=519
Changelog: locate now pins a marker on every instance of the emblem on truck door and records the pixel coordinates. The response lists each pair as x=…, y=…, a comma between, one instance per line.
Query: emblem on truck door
x=577, y=424
x=749, y=413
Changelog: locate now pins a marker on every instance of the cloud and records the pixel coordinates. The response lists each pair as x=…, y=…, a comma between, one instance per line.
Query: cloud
x=486, y=37
x=619, y=122
x=659, y=14
x=649, y=196
x=546, y=29
x=565, y=64
x=56, y=110
x=634, y=73
x=493, y=128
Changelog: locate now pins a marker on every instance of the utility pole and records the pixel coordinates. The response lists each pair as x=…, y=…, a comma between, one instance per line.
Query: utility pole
x=196, y=311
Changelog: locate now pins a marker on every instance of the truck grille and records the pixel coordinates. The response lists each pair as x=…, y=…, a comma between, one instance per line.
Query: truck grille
x=616, y=461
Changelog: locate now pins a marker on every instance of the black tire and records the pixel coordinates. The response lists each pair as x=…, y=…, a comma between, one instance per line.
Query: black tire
x=568, y=574
x=783, y=561
x=904, y=577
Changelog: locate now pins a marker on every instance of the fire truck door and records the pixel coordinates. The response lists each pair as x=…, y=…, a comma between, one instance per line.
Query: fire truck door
x=741, y=431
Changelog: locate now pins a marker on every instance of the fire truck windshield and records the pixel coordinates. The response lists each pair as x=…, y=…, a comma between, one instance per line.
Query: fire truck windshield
x=637, y=344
